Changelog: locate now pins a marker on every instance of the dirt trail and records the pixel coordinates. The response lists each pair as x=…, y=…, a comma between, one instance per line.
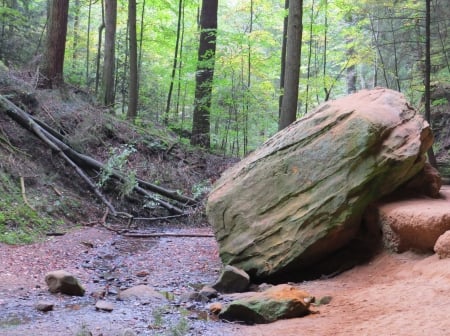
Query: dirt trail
x=395, y=294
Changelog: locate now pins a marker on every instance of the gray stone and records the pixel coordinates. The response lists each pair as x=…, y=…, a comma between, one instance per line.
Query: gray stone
x=278, y=302
x=301, y=196
x=232, y=280
x=208, y=292
x=45, y=306
x=104, y=305
x=141, y=292
x=63, y=282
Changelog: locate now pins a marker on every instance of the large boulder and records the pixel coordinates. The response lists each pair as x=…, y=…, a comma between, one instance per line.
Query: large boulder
x=301, y=196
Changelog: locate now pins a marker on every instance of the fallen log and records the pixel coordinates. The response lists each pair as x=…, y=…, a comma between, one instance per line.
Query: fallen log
x=81, y=161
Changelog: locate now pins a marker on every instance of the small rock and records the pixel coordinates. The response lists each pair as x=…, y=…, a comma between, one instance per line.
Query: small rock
x=215, y=308
x=442, y=246
x=128, y=332
x=208, y=292
x=232, y=280
x=104, y=305
x=63, y=282
x=278, y=302
x=44, y=306
x=141, y=292
x=142, y=273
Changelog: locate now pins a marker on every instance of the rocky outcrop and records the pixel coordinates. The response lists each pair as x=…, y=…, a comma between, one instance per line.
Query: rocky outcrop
x=301, y=196
x=278, y=302
x=63, y=282
x=414, y=223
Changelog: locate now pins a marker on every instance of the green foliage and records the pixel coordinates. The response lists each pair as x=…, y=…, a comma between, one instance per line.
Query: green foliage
x=439, y=102
x=118, y=162
x=19, y=224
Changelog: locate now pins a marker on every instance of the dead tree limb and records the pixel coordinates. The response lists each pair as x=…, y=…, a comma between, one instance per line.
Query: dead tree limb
x=22, y=117
x=78, y=161
x=162, y=234
x=90, y=162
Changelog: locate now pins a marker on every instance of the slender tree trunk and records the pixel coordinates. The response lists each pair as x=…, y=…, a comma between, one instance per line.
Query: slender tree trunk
x=99, y=48
x=308, y=71
x=141, y=37
x=292, y=71
x=107, y=94
x=88, y=45
x=283, y=58
x=133, y=87
x=175, y=61
x=350, y=53
x=76, y=35
x=431, y=156
x=204, y=74
x=56, y=44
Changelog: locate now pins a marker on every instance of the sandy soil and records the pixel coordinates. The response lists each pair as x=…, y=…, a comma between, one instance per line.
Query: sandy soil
x=395, y=294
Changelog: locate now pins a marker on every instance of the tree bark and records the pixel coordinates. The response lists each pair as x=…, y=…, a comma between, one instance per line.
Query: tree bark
x=292, y=70
x=108, y=94
x=53, y=69
x=204, y=74
x=133, y=84
x=431, y=156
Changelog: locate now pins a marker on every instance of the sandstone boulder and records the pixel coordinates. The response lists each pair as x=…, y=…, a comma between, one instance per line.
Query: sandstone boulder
x=278, y=302
x=442, y=246
x=301, y=196
x=63, y=282
x=414, y=223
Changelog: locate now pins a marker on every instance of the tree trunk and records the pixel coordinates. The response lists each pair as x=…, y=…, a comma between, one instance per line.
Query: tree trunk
x=431, y=156
x=53, y=68
x=204, y=74
x=292, y=71
x=107, y=94
x=283, y=59
x=133, y=87
x=175, y=61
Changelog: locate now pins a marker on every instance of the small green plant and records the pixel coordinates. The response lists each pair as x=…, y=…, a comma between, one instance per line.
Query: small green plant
x=180, y=329
x=19, y=223
x=200, y=188
x=117, y=162
x=439, y=102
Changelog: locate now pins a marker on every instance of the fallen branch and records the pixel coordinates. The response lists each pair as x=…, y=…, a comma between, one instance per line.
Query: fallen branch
x=162, y=234
x=79, y=161
x=23, y=118
x=24, y=194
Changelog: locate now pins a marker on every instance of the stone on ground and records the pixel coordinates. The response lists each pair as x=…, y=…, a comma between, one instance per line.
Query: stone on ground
x=141, y=293
x=63, y=282
x=415, y=223
x=104, y=305
x=45, y=306
x=301, y=196
x=232, y=280
x=278, y=302
x=442, y=246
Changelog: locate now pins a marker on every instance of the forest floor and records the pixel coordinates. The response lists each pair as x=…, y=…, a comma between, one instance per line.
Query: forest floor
x=395, y=294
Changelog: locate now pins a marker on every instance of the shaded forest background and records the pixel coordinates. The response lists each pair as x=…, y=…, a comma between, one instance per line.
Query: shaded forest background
x=346, y=46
